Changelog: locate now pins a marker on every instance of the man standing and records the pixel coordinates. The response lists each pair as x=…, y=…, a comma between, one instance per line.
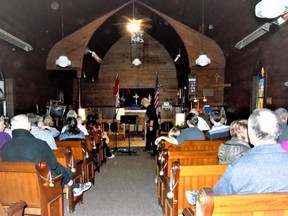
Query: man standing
x=151, y=120
x=262, y=169
x=24, y=147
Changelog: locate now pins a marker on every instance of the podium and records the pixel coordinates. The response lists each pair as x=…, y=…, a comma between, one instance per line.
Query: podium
x=128, y=119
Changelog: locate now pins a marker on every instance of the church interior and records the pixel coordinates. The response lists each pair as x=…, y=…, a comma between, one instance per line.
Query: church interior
x=107, y=58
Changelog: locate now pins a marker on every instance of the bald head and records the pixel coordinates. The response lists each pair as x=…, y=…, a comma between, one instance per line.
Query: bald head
x=20, y=122
x=264, y=127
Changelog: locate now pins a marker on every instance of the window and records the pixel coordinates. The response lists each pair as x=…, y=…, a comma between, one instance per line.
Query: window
x=260, y=89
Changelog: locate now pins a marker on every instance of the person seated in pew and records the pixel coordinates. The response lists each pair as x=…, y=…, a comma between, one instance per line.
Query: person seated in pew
x=39, y=133
x=237, y=145
x=219, y=130
x=263, y=169
x=174, y=132
x=46, y=123
x=105, y=140
x=283, y=114
x=4, y=137
x=72, y=132
x=72, y=113
x=24, y=147
x=190, y=133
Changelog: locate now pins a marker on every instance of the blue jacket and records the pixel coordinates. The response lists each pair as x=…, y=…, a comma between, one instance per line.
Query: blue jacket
x=190, y=133
x=263, y=169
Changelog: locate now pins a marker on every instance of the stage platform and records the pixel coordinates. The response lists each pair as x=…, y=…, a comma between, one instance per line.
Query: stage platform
x=136, y=140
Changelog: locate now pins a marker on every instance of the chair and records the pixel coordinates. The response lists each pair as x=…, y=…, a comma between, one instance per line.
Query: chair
x=165, y=127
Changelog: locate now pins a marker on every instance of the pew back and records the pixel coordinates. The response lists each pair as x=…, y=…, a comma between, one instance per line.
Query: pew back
x=266, y=204
x=81, y=152
x=191, y=145
x=21, y=180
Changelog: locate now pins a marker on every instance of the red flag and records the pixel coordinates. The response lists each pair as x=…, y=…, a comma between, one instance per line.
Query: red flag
x=116, y=86
x=116, y=91
x=156, y=96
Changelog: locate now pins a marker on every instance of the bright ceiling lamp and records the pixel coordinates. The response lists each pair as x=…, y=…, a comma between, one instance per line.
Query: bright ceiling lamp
x=203, y=59
x=134, y=25
x=271, y=8
x=63, y=60
x=136, y=62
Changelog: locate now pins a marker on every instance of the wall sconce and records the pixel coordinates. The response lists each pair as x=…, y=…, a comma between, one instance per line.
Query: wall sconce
x=177, y=57
x=94, y=55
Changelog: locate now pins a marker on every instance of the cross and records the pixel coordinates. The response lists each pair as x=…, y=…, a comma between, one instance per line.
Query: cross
x=136, y=97
x=217, y=76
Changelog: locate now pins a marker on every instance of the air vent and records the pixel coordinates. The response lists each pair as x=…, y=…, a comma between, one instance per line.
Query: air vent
x=15, y=41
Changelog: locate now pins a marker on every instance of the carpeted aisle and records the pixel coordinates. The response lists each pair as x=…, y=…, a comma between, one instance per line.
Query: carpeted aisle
x=124, y=187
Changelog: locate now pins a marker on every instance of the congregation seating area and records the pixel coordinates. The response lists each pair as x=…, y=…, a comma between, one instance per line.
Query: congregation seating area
x=179, y=170
x=44, y=195
x=192, y=165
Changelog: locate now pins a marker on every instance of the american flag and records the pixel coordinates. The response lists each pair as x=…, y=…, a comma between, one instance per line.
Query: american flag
x=156, y=96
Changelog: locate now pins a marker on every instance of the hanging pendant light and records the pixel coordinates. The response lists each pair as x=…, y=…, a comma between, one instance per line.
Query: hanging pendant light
x=63, y=60
x=271, y=9
x=203, y=60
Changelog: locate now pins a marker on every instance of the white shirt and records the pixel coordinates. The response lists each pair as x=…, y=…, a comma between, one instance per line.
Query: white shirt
x=202, y=124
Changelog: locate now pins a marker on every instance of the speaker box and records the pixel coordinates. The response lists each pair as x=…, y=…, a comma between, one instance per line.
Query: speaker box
x=128, y=119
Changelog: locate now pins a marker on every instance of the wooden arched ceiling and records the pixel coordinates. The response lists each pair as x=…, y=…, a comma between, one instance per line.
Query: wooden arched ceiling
x=189, y=41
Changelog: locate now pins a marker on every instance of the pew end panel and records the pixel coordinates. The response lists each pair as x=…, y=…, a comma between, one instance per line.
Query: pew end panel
x=31, y=182
x=188, y=158
x=95, y=152
x=65, y=157
x=187, y=178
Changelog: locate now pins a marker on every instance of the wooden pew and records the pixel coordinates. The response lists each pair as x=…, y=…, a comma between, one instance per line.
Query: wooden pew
x=184, y=178
x=66, y=158
x=268, y=204
x=187, y=145
x=31, y=182
x=81, y=152
x=184, y=158
x=16, y=209
x=191, y=145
